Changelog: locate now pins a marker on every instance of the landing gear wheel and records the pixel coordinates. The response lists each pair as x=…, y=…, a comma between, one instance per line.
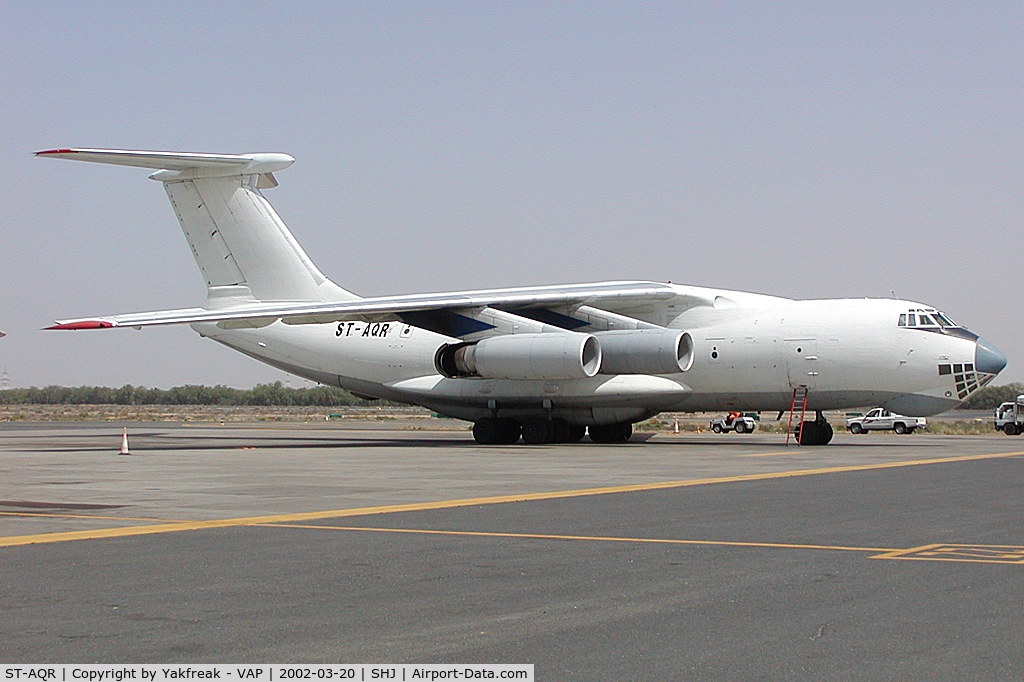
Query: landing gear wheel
x=485, y=431
x=510, y=431
x=815, y=433
x=576, y=433
x=611, y=433
x=826, y=433
x=492, y=431
x=538, y=431
x=560, y=430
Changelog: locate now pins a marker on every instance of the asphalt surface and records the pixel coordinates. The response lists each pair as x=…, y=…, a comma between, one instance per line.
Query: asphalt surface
x=686, y=557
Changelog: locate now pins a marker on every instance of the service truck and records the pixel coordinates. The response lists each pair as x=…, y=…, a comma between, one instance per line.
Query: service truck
x=881, y=419
x=1010, y=417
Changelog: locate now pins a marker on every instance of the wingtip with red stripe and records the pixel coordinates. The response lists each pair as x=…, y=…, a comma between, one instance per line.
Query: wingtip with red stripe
x=82, y=324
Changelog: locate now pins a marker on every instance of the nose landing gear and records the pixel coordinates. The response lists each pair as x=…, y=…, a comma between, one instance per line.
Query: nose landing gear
x=817, y=432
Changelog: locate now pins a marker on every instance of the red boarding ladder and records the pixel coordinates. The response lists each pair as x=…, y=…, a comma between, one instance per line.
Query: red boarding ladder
x=799, y=398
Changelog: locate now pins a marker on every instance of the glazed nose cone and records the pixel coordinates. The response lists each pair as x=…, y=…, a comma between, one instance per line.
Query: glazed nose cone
x=988, y=359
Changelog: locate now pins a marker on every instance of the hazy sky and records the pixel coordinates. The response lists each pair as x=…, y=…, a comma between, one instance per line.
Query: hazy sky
x=808, y=150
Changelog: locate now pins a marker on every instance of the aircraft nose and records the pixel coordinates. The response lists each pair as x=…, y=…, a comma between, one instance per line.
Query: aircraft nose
x=988, y=358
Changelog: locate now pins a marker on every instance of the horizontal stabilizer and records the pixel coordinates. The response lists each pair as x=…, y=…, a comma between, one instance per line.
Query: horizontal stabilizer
x=179, y=165
x=244, y=251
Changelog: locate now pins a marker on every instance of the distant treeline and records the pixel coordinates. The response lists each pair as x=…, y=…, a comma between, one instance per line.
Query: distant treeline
x=275, y=394
x=990, y=397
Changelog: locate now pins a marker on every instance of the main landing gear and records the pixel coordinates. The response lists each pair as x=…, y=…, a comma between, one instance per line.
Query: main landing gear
x=504, y=431
x=611, y=433
x=491, y=431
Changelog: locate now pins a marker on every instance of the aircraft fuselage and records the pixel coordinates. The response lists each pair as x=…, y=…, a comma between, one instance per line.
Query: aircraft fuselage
x=749, y=353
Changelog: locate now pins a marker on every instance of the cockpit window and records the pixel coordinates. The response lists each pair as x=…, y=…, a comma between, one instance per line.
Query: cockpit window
x=926, y=318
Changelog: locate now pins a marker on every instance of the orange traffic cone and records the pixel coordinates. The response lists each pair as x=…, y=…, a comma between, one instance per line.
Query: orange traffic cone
x=124, y=442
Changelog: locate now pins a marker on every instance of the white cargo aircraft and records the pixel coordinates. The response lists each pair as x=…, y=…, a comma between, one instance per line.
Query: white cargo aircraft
x=542, y=363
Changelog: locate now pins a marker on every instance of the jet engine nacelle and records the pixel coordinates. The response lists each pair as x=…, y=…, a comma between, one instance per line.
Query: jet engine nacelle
x=645, y=351
x=568, y=355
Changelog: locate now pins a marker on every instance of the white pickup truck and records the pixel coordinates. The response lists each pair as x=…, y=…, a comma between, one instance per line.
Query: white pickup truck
x=881, y=419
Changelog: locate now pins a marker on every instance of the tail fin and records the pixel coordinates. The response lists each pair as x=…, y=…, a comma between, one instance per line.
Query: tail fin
x=242, y=248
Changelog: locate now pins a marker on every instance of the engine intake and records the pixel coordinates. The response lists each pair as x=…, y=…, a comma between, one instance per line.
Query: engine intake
x=645, y=351
x=568, y=355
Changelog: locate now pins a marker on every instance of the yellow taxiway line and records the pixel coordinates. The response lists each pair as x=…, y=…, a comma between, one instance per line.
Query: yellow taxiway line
x=180, y=526
x=983, y=554
x=585, y=538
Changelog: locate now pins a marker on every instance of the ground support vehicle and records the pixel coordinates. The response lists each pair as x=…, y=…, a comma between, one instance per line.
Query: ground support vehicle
x=734, y=422
x=881, y=419
x=1010, y=417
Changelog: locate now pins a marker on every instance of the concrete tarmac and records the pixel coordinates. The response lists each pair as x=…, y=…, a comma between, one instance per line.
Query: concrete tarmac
x=696, y=556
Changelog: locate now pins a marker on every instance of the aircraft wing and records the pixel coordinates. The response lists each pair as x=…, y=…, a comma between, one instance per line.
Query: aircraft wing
x=599, y=295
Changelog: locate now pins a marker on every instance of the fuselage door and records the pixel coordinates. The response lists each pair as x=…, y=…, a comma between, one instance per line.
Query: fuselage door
x=802, y=363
